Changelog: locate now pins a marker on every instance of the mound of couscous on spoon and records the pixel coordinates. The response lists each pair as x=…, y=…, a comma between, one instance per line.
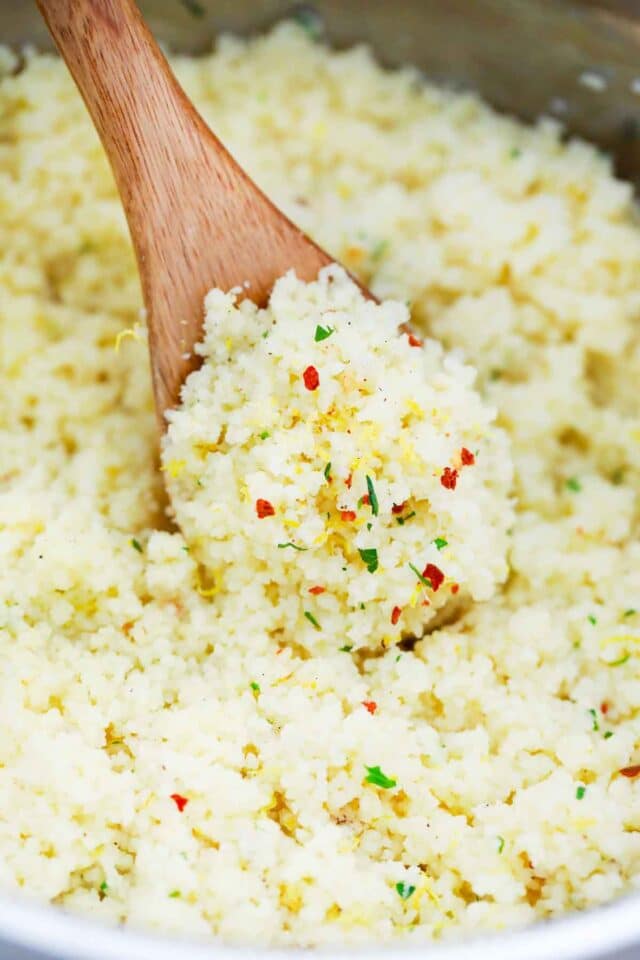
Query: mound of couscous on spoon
x=371, y=672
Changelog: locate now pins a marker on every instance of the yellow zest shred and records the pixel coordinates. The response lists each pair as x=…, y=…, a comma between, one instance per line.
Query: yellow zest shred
x=131, y=332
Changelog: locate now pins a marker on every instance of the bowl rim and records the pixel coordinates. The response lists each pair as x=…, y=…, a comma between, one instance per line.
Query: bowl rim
x=597, y=932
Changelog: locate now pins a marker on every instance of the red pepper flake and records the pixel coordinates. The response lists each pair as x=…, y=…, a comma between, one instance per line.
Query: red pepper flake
x=279, y=651
x=604, y=707
x=395, y=615
x=179, y=801
x=311, y=378
x=468, y=458
x=370, y=705
x=449, y=478
x=365, y=499
x=454, y=588
x=264, y=508
x=398, y=507
x=434, y=575
x=349, y=481
x=631, y=772
x=316, y=591
x=414, y=341
x=347, y=515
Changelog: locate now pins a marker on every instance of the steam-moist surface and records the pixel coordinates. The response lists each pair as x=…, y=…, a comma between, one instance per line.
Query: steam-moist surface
x=118, y=688
x=334, y=473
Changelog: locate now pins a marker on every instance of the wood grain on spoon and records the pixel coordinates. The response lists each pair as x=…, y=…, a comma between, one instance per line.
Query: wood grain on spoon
x=195, y=217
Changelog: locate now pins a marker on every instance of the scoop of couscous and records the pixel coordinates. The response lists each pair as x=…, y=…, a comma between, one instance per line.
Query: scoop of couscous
x=334, y=475
x=182, y=749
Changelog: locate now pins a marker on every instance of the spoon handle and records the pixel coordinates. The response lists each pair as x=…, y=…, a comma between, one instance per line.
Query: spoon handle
x=195, y=217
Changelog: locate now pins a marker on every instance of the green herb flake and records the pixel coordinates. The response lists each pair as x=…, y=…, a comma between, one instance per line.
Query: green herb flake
x=440, y=543
x=255, y=687
x=323, y=333
x=373, y=499
x=310, y=22
x=379, y=250
x=294, y=546
x=376, y=777
x=265, y=334
x=594, y=719
x=403, y=520
x=608, y=734
x=580, y=792
x=515, y=152
x=174, y=894
x=399, y=657
x=404, y=890
x=264, y=435
x=136, y=544
x=194, y=8
x=619, y=663
x=369, y=526
x=630, y=612
x=185, y=549
x=310, y=617
x=423, y=580
x=592, y=620
x=369, y=556
x=104, y=886
x=327, y=471
x=348, y=647
x=574, y=485
x=500, y=844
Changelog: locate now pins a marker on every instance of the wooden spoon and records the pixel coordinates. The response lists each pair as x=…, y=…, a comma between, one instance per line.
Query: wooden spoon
x=196, y=219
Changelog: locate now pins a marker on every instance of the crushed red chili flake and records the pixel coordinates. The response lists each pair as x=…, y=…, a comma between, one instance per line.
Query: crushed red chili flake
x=370, y=705
x=398, y=507
x=455, y=587
x=349, y=481
x=311, y=378
x=264, y=508
x=434, y=575
x=365, y=499
x=449, y=478
x=347, y=515
x=468, y=458
x=179, y=801
x=395, y=615
x=316, y=591
x=604, y=707
x=279, y=651
x=414, y=341
x=631, y=772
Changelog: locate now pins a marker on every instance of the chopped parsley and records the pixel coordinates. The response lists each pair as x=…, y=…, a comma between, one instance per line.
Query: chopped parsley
x=193, y=7
x=264, y=435
x=255, y=687
x=440, y=543
x=379, y=250
x=515, y=152
x=592, y=619
x=136, y=544
x=310, y=617
x=294, y=546
x=369, y=556
x=618, y=663
x=376, y=777
x=608, y=734
x=327, y=471
x=500, y=844
x=373, y=499
x=348, y=647
x=421, y=578
x=404, y=890
x=174, y=894
x=309, y=21
x=580, y=792
x=574, y=485
x=630, y=612
x=323, y=333
x=265, y=334
x=104, y=886
x=403, y=520
x=594, y=719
